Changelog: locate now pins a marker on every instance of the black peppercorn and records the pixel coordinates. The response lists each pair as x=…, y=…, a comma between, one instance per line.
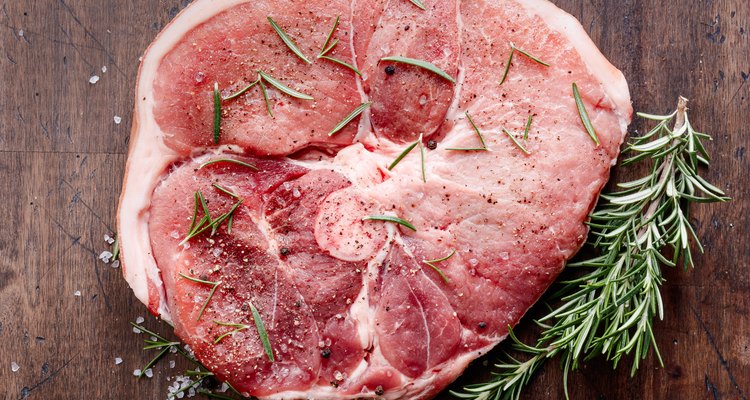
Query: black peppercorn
x=390, y=70
x=284, y=251
x=325, y=353
x=379, y=390
x=482, y=325
x=431, y=144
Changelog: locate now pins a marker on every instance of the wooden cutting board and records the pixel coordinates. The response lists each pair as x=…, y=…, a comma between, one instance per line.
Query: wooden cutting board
x=62, y=156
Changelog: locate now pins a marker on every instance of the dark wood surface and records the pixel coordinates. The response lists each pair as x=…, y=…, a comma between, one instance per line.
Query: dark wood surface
x=62, y=158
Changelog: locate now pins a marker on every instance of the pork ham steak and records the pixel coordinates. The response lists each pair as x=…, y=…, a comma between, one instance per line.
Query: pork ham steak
x=349, y=306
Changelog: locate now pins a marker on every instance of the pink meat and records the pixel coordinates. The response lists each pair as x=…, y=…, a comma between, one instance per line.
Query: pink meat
x=350, y=307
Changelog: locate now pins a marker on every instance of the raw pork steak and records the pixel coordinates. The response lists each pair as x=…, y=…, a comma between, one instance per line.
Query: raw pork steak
x=350, y=307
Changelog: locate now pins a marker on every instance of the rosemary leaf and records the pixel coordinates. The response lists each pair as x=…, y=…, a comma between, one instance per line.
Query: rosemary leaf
x=283, y=88
x=421, y=64
x=242, y=91
x=516, y=142
x=403, y=154
x=325, y=49
x=421, y=155
x=217, y=113
x=584, y=115
x=432, y=263
x=238, y=328
x=349, y=118
x=225, y=190
x=262, y=332
x=265, y=97
x=228, y=160
x=507, y=65
x=210, y=294
x=535, y=59
x=388, y=218
x=419, y=4
x=154, y=361
x=343, y=63
x=288, y=41
x=116, y=249
x=328, y=49
x=526, y=129
x=479, y=134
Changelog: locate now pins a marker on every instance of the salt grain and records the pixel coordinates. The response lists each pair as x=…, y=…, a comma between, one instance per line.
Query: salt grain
x=104, y=69
x=77, y=293
x=108, y=239
x=136, y=330
x=94, y=79
x=14, y=367
x=118, y=360
x=149, y=373
x=172, y=364
x=116, y=264
x=139, y=320
x=105, y=256
x=20, y=32
x=137, y=372
x=118, y=119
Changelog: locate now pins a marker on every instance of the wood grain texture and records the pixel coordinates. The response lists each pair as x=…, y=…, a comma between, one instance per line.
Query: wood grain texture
x=62, y=157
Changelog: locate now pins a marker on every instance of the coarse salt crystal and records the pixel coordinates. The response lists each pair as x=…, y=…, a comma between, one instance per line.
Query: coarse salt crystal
x=118, y=360
x=108, y=239
x=77, y=293
x=104, y=69
x=137, y=372
x=14, y=367
x=116, y=264
x=172, y=364
x=118, y=119
x=105, y=256
x=94, y=79
x=149, y=373
x=136, y=330
x=139, y=320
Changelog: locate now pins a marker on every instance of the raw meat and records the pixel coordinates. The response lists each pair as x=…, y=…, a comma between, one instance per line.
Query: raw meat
x=350, y=306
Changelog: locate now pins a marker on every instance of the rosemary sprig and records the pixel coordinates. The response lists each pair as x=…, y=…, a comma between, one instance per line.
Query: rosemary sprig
x=228, y=160
x=584, y=115
x=516, y=142
x=421, y=64
x=262, y=332
x=349, y=118
x=217, y=112
x=388, y=218
x=213, y=285
x=513, y=50
x=609, y=308
x=437, y=269
x=288, y=41
x=479, y=134
x=199, y=226
x=265, y=97
x=237, y=328
x=419, y=4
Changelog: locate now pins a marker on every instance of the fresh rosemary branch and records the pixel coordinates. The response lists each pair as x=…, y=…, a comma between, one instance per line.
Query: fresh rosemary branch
x=288, y=41
x=609, y=308
x=200, y=374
